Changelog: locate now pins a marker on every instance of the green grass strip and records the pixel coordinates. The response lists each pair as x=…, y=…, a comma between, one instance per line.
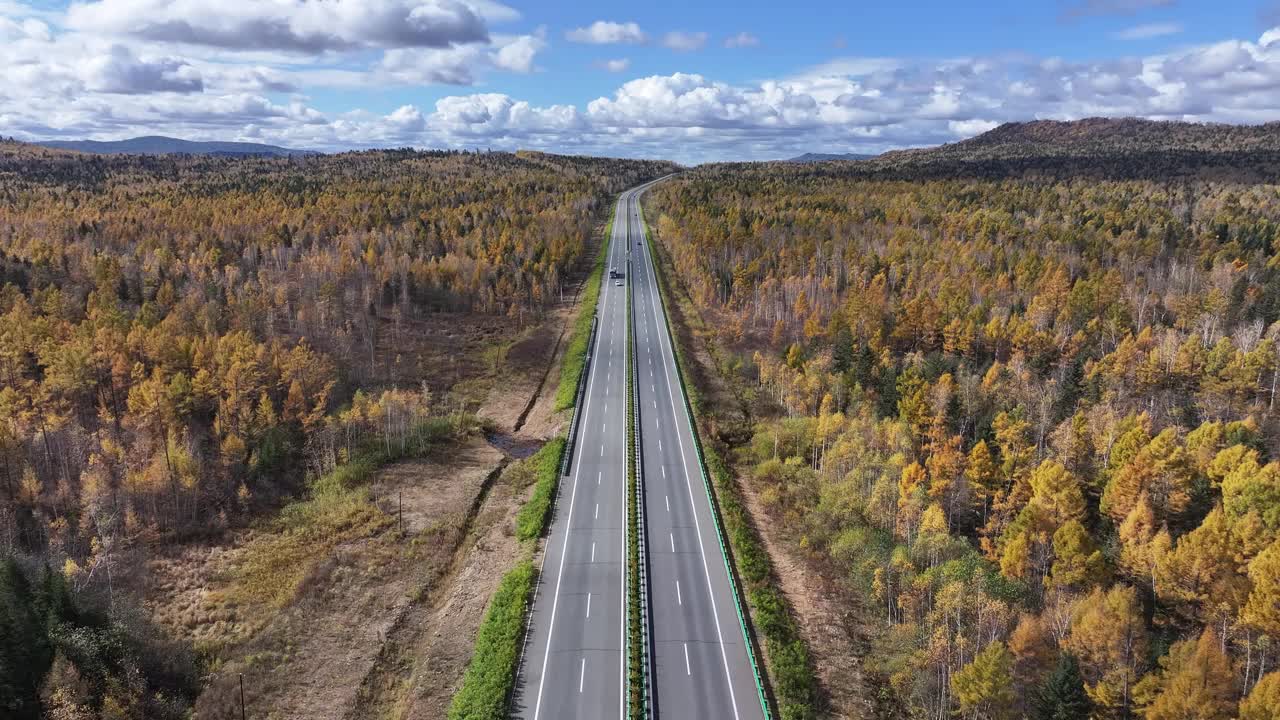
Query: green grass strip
x=531, y=522
x=636, y=647
x=492, y=671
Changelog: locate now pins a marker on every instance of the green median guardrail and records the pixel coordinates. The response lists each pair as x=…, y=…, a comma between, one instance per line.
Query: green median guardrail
x=639, y=613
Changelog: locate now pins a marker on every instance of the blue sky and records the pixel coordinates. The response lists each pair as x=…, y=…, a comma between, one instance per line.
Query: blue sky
x=690, y=81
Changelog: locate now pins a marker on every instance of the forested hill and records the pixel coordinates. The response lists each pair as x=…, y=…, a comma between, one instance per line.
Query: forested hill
x=1124, y=148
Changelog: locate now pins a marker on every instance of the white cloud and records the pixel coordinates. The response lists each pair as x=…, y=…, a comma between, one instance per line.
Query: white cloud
x=57, y=80
x=408, y=119
x=684, y=41
x=606, y=32
x=494, y=116
x=517, y=54
x=741, y=40
x=1149, y=30
x=617, y=65
x=968, y=128
x=286, y=25
x=456, y=65
x=118, y=71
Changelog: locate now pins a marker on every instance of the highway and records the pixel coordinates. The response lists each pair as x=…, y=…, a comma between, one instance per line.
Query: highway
x=701, y=659
x=572, y=662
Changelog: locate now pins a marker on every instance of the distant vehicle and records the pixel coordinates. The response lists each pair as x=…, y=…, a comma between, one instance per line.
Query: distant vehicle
x=618, y=283
x=614, y=274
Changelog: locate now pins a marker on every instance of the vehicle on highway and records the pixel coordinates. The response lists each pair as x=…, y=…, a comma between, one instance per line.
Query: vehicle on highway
x=618, y=283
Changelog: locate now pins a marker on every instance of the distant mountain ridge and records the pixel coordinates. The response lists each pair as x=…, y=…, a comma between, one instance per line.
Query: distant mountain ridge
x=824, y=157
x=160, y=145
x=1099, y=137
x=1115, y=148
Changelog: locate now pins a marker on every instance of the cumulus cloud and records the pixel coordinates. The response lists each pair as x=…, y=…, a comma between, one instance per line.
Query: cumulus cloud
x=286, y=25
x=1149, y=30
x=497, y=117
x=606, y=32
x=684, y=41
x=57, y=80
x=118, y=71
x=452, y=66
x=741, y=40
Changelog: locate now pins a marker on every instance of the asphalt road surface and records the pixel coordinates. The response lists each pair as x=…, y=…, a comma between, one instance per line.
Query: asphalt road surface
x=572, y=666
x=572, y=663
x=701, y=660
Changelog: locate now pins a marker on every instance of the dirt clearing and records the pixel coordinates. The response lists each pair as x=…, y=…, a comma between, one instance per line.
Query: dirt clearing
x=311, y=658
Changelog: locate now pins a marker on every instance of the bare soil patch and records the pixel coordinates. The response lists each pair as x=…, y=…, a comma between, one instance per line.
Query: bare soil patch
x=445, y=646
x=310, y=658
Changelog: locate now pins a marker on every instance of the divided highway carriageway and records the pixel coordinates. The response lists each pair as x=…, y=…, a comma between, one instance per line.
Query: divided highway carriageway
x=573, y=664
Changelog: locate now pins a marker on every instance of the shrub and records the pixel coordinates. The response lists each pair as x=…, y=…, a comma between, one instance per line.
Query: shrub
x=492, y=671
x=532, y=520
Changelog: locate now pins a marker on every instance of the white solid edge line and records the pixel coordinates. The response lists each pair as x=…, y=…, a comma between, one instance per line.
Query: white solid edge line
x=724, y=656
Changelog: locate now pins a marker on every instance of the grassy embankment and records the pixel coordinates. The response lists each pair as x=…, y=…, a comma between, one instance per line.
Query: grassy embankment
x=635, y=678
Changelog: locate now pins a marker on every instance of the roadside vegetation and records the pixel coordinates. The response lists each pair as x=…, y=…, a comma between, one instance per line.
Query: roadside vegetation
x=531, y=523
x=487, y=685
x=637, y=651
x=575, y=355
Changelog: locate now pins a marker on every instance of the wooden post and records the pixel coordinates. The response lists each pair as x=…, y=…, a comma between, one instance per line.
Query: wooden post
x=400, y=512
x=241, y=696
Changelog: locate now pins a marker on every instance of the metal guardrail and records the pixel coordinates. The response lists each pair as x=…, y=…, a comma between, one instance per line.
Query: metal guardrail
x=572, y=438
x=706, y=484
x=642, y=561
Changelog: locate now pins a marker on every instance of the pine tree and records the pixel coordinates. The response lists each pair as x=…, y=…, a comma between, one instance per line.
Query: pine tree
x=1062, y=696
x=1262, y=610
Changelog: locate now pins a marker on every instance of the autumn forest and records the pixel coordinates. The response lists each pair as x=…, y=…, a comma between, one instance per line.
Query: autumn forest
x=185, y=341
x=1011, y=419
x=1027, y=425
